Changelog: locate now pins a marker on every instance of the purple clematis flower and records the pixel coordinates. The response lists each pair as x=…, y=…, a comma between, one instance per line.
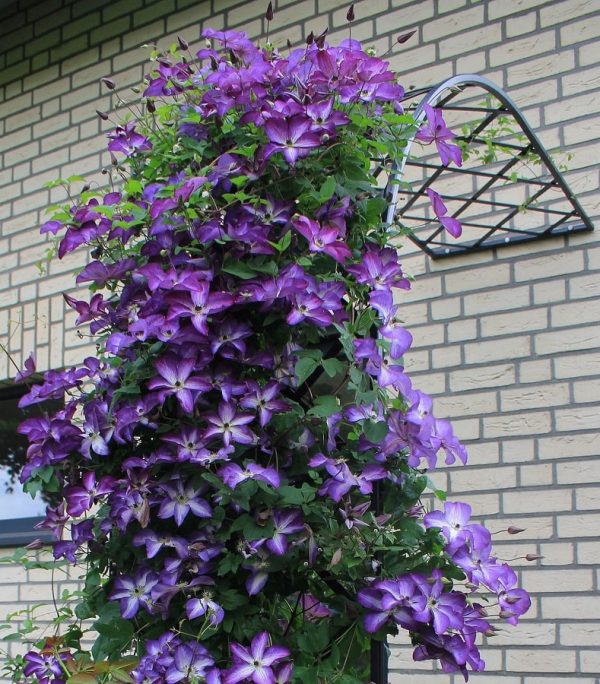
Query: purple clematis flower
x=180, y=500
x=292, y=136
x=174, y=378
x=451, y=224
x=286, y=522
x=233, y=475
x=255, y=663
x=454, y=525
x=133, y=592
x=197, y=607
x=191, y=663
x=437, y=132
x=324, y=239
x=126, y=140
x=230, y=425
x=264, y=400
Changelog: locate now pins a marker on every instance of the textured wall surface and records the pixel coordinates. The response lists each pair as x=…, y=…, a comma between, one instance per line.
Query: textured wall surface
x=508, y=339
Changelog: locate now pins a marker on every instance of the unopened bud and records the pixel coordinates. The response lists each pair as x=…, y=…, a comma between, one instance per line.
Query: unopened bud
x=310, y=38
x=350, y=14
x=404, y=37
x=532, y=557
x=85, y=188
x=320, y=40
x=515, y=530
x=102, y=115
x=136, y=89
x=511, y=600
x=150, y=106
x=490, y=633
x=109, y=83
x=35, y=545
x=113, y=160
x=183, y=44
x=269, y=13
x=506, y=614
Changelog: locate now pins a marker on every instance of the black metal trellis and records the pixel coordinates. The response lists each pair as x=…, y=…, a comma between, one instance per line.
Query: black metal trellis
x=488, y=221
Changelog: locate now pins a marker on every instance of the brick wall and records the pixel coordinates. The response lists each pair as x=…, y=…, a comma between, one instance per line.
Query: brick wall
x=507, y=340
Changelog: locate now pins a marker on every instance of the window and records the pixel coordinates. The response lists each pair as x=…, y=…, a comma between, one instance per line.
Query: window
x=18, y=511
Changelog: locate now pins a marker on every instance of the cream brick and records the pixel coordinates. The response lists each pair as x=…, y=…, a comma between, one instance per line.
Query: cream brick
x=579, y=31
x=584, y=286
x=550, y=581
x=578, y=472
x=549, y=265
x=540, y=660
x=514, y=322
x=557, y=553
x=470, y=479
x=535, y=474
x=588, y=553
x=579, y=418
x=521, y=24
x=586, y=390
x=577, y=338
x=453, y=22
x=587, y=498
x=581, y=525
x=427, y=336
x=465, y=329
x=534, y=501
x=445, y=308
x=577, y=365
x=474, y=403
x=535, y=422
x=467, y=280
x=570, y=446
x=471, y=40
x=535, y=371
x=549, y=291
x=534, y=397
x=496, y=300
x=590, y=661
x=446, y=357
x=478, y=378
x=497, y=350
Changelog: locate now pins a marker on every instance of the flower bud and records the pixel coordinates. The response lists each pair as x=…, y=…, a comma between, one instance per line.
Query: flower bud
x=183, y=44
x=102, y=115
x=350, y=14
x=150, y=106
x=532, y=557
x=109, y=83
x=269, y=12
x=404, y=37
x=515, y=530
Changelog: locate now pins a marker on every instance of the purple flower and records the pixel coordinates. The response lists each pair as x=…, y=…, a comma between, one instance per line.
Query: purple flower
x=454, y=525
x=451, y=224
x=28, y=370
x=197, y=607
x=255, y=663
x=436, y=131
x=292, y=136
x=190, y=663
x=180, y=500
x=230, y=425
x=133, y=592
x=80, y=498
x=324, y=239
x=174, y=378
x=264, y=400
x=233, y=475
x=126, y=140
x=286, y=522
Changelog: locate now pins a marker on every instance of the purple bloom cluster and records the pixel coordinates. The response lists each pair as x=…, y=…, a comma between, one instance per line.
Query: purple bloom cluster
x=443, y=621
x=192, y=462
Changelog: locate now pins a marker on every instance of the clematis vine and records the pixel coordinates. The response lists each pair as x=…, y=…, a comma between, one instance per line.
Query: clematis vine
x=240, y=466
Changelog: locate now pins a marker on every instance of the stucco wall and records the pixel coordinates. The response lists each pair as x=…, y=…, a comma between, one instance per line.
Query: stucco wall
x=507, y=339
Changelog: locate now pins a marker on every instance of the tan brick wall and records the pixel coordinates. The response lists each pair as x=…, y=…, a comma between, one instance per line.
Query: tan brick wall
x=508, y=340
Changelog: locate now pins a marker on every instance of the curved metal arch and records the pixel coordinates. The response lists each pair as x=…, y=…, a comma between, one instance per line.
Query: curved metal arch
x=440, y=96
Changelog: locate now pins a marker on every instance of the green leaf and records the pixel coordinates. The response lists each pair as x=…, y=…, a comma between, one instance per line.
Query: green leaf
x=239, y=269
x=375, y=431
x=316, y=639
x=332, y=367
x=327, y=189
x=325, y=406
x=305, y=368
x=284, y=243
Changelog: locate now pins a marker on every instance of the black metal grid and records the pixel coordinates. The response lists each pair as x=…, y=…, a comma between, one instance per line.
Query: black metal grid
x=489, y=197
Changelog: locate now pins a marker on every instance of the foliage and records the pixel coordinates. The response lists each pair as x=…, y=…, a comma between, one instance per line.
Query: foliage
x=241, y=464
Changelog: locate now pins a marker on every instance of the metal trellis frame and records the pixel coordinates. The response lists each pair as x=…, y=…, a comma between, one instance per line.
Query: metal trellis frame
x=488, y=219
